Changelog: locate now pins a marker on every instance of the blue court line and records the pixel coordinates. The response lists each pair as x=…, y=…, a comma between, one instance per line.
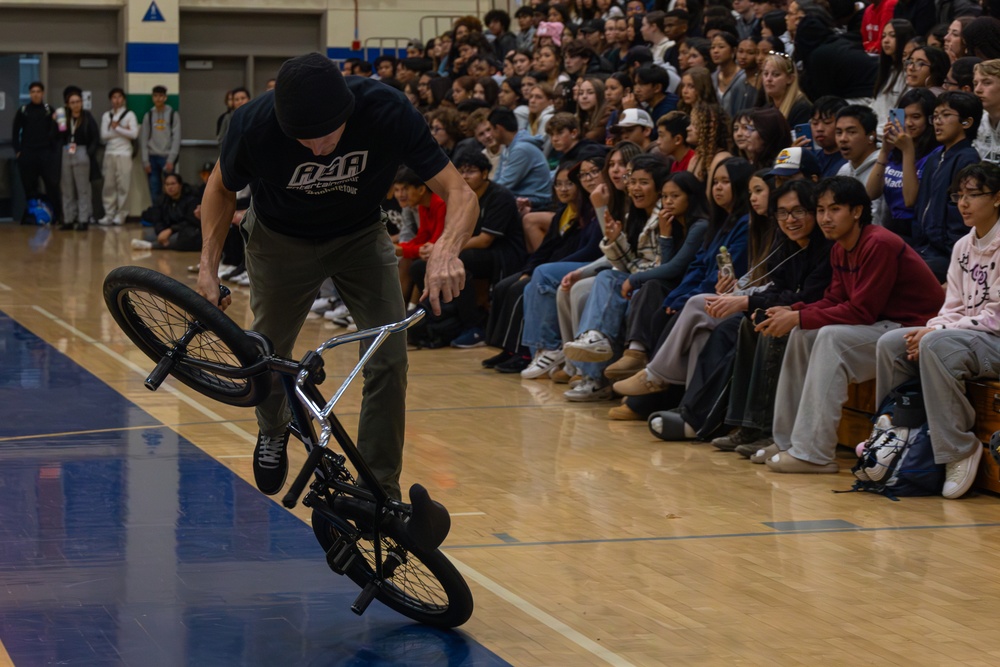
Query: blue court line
x=717, y=536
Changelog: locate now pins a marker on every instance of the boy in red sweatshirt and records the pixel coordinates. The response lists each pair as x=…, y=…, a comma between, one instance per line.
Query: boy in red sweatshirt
x=431, y=210
x=879, y=284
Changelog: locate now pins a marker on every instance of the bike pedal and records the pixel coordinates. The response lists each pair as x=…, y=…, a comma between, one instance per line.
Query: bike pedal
x=392, y=561
x=341, y=555
x=365, y=598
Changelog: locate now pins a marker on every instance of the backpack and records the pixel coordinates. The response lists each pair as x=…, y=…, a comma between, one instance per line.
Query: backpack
x=897, y=459
x=435, y=331
x=40, y=211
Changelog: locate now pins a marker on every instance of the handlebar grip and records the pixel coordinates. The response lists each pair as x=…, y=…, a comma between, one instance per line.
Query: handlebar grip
x=312, y=462
x=223, y=292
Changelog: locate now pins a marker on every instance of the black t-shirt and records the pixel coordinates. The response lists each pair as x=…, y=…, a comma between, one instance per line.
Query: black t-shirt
x=319, y=197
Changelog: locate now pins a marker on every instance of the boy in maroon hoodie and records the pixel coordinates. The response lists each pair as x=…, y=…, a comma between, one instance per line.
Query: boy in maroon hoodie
x=879, y=284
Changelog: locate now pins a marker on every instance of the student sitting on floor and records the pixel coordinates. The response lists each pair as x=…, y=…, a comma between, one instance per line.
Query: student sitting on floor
x=962, y=342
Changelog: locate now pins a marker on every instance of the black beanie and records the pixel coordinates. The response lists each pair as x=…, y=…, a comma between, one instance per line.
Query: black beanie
x=311, y=98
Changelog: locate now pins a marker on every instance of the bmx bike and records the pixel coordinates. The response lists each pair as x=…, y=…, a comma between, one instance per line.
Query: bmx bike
x=388, y=548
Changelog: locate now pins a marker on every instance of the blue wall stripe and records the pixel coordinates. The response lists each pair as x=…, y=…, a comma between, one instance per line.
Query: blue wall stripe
x=343, y=53
x=145, y=57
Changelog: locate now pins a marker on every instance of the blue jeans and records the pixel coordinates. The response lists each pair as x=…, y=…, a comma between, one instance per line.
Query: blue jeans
x=541, y=318
x=156, y=165
x=604, y=312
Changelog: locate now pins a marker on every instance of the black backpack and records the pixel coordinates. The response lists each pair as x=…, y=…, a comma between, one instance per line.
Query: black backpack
x=898, y=460
x=435, y=331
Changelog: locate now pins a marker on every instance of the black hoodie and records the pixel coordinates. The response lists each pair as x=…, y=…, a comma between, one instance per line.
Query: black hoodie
x=834, y=64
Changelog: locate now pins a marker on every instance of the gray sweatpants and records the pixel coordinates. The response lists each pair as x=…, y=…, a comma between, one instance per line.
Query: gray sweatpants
x=285, y=276
x=677, y=358
x=75, y=185
x=570, y=307
x=812, y=387
x=948, y=357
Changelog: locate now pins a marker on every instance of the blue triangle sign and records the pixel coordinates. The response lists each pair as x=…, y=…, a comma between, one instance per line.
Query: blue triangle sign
x=153, y=13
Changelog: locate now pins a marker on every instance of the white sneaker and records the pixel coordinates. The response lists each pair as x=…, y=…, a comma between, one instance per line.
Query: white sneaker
x=223, y=269
x=242, y=279
x=325, y=304
x=589, y=390
x=139, y=244
x=592, y=346
x=119, y=219
x=338, y=315
x=543, y=362
x=105, y=221
x=960, y=475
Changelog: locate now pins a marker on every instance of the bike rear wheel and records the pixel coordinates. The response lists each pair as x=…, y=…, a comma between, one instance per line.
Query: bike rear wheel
x=425, y=586
x=156, y=312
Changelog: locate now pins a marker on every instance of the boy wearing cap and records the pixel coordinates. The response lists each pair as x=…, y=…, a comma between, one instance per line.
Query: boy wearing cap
x=319, y=154
x=636, y=126
x=159, y=141
x=794, y=164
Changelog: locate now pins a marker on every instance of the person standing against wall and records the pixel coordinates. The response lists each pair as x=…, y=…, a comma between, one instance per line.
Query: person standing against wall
x=79, y=141
x=36, y=147
x=159, y=141
x=119, y=127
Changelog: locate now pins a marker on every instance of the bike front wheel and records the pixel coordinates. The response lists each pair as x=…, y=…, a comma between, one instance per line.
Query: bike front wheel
x=156, y=312
x=425, y=586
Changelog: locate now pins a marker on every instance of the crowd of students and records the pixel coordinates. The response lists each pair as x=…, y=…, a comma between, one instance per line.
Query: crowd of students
x=708, y=211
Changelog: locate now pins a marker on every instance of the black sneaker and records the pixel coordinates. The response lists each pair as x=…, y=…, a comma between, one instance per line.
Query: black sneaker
x=270, y=462
x=515, y=364
x=497, y=359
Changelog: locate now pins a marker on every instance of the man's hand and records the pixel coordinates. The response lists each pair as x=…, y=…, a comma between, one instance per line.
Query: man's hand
x=780, y=320
x=444, y=280
x=913, y=339
x=208, y=287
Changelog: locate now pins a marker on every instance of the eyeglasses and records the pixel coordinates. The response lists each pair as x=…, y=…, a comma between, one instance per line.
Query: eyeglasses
x=587, y=175
x=941, y=117
x=910, y=62
x=797, y=213
x=957, y=197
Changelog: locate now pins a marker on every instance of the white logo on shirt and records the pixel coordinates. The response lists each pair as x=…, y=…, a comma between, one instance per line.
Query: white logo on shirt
x=316, y=178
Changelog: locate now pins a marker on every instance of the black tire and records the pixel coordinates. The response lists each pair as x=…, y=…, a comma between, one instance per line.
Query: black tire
x=154, y=311
x=425, y=588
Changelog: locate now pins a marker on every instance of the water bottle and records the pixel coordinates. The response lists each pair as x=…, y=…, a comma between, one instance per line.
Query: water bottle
x=725, y=262
x=61, y=119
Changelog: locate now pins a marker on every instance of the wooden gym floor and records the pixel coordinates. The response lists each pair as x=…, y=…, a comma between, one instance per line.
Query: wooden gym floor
x=585, y=541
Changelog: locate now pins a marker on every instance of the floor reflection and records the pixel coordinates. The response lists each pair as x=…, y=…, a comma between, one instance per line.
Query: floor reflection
x=135, y=547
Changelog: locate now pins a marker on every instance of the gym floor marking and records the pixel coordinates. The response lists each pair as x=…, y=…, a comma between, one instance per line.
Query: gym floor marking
x=520, y=603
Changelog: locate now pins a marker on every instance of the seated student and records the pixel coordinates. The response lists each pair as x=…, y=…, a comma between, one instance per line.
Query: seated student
x=736, y=360
x=938, y=224
x=986, y=85
x=563, y=130
x=431, y=210
x=175, y=226
x=671, y=139
x=522, y=168
x=879, y=284
x=963, y=341
x=824, y=134
x=856, y=139
x=652, y=90
x=910, y=143
x=495, y=249
x=674, y=362
x=636, y=126
x=573, y=236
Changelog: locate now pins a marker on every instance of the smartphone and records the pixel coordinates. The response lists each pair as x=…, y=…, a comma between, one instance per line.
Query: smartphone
x=803, y=130
x=898, y=116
